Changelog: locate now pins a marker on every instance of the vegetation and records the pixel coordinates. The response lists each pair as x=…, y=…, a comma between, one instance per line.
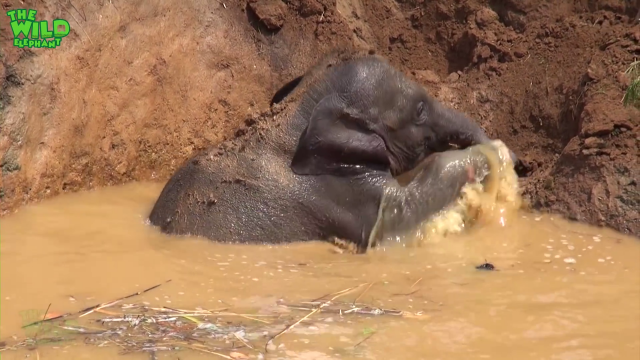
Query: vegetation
x=632, y=95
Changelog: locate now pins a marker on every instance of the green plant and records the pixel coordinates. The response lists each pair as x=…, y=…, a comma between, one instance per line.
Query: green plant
x=632, y=95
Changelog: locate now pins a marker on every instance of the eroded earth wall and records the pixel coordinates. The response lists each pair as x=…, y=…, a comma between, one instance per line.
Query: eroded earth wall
x=139, y=86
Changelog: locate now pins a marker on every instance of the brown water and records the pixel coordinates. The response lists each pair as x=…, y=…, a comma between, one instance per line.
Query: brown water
x=84, y=249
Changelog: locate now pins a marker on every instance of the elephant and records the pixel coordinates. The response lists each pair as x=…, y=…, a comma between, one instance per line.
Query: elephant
x=318, y=171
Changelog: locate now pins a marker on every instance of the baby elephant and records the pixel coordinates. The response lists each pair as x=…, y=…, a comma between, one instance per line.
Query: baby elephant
x=319, y=172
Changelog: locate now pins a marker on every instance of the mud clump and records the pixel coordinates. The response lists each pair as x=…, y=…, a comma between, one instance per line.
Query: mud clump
x=270, y=12
x=119, y=105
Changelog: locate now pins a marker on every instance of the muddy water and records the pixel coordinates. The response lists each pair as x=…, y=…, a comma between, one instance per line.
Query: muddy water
x=563, y=291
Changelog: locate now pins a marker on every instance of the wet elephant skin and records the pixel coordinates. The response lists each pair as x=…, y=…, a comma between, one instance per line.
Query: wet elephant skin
x=320, y=171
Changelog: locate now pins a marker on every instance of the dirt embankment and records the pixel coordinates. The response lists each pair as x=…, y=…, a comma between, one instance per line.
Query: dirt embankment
x=139, y=86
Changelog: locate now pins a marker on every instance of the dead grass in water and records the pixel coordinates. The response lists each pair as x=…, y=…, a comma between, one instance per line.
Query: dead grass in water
x=140, y=327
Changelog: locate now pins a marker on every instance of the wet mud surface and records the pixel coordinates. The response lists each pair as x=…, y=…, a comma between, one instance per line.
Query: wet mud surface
x=139, y=87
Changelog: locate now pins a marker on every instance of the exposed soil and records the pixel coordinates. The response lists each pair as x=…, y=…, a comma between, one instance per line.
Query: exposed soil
x=139, y=86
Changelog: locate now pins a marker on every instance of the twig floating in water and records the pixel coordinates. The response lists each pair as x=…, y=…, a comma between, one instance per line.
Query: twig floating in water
x=326, y=303
x=363, y=340
x=35, y=337
x=362, y=293
x=95, y=307
x=406, y=294
x=91, y=309
x=209, y=352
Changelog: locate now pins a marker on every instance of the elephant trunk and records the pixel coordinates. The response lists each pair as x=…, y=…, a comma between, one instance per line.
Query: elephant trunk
x=453, y=127
x=437, y=184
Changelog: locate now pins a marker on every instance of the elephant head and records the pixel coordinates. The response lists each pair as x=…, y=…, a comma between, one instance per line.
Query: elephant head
x=370, y=115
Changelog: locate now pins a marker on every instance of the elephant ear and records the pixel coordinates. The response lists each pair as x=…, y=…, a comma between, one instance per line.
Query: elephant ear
x=338, y=140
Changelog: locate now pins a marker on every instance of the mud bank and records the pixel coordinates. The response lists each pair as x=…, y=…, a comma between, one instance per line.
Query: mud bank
x=137, y=87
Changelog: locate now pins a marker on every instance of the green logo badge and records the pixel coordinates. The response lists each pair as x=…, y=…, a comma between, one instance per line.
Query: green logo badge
x=36, y=34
